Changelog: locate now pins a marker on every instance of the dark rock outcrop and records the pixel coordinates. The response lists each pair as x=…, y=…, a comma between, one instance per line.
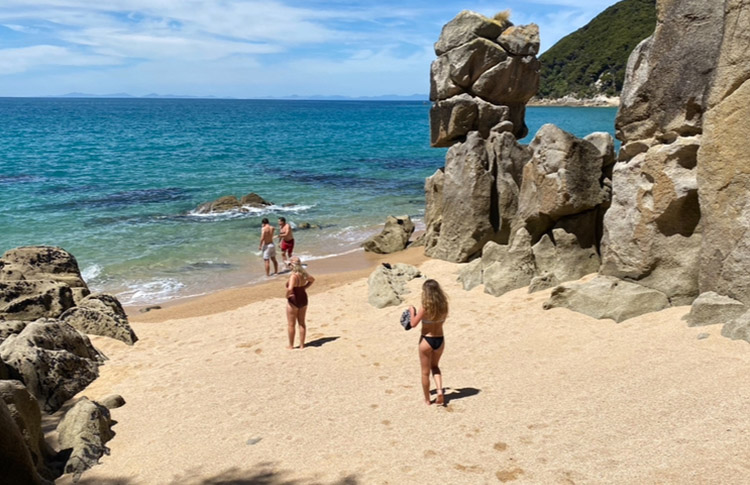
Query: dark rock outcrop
x=25, y=411
x=85, y=429
x=232, y=203
x=15, y=460
x=44, y=263
x=101, y=314
x=394, y=237
x=52, y=359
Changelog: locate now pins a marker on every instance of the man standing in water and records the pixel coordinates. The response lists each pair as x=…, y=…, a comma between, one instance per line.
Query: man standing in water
x=267, y=247
x=287, y=240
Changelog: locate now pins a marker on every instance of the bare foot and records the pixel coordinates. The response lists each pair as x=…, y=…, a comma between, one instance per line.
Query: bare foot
x=428, y=402
x=440, y=399
x=289, y=347
x=302, y=346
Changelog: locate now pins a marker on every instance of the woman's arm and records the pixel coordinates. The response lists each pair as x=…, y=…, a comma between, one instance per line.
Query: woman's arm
x=310, y=281
x=416, y=316
x=290, y=284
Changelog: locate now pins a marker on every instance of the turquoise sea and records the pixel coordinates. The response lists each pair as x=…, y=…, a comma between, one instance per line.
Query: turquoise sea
x=115, y=181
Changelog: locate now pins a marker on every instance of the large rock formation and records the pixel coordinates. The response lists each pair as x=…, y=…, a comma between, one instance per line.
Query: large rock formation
x=15, y=460
x=53, y=360
x=101, y=314
x=530, y=211
x=85, y=429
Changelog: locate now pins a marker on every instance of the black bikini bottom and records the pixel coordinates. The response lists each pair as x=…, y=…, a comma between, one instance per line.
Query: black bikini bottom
x=434, y=342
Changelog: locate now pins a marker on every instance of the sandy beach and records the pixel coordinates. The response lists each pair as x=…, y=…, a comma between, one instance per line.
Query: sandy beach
x=533, y=396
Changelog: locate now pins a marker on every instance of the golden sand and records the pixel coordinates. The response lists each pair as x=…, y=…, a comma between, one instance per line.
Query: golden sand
x=533, y=396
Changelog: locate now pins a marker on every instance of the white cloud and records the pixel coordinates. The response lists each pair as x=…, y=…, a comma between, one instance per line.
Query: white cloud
x=24, y=58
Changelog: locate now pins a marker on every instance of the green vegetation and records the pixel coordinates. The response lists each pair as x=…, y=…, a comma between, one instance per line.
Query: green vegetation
x=592, y=60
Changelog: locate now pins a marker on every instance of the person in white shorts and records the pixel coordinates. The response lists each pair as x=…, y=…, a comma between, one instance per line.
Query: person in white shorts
x=267, y=247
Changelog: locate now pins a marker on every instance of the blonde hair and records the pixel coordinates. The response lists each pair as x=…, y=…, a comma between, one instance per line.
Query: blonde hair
x=299, y=270
x=434, y=301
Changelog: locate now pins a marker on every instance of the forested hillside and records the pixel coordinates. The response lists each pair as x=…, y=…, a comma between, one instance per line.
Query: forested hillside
x=592, y=60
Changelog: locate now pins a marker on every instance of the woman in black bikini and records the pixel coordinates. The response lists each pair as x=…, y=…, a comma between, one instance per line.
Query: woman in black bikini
x=296, y=297
x=433, y=313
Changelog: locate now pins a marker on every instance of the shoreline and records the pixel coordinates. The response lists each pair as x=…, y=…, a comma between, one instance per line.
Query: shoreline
x=329, y=273
x=573, y=102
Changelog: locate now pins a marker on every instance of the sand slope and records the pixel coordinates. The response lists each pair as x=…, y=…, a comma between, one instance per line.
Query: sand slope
x=534, y=396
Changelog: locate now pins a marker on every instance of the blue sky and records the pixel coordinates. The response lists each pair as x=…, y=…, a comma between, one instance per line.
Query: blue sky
x=243, y=48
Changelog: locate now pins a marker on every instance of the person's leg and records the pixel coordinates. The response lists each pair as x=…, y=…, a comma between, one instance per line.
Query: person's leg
x=267, y=264
x=291, y=318
x=436, y=374
x=301, y=314
x=425, y=359
x=275, y=266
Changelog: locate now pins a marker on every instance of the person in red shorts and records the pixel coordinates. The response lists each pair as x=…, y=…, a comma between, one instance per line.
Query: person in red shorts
x=287, y=240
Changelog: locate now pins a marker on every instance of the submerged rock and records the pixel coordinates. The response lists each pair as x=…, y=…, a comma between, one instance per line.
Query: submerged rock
x=394, y=237
x=231, y=202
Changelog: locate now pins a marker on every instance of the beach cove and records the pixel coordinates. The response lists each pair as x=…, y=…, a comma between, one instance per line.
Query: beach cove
x=533, y=396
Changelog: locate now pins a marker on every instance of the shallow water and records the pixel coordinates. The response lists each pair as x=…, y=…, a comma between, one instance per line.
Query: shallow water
x=115, y=181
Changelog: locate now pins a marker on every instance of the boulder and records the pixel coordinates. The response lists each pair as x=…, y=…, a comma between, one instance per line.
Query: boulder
x=710, y=308
x=222, y=204
x=42, y=263
x=4, y=372
x=466, y=27
x=25, y=411
x=652, y=230
x=513, y=81
x=387, y=283
x=508, y=267
x=466, y=188
x=452, y=119
x=563, y=256
x=15, y=460
x=394, y=237
x=563, y=177
x=470, y=274
x=254, y=200
x=607, y=297
x=520, y=40
x=738, y=329
x=32, y=299
x=113, y=401
x=85, y=429
x=101, y=314
x=53, y=360
x=456, y=71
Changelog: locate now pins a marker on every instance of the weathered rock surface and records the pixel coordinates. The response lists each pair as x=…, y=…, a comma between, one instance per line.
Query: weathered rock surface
x=607, y=297
x=466, y=27
x=563, y=257
x=508, y=267
x=53, y=360
x=85, y=428
x=387, y=283
x=42, y=263
x=543, y=282
x=394, y=237
x=452, y=119
x=15, y=460
x=521, y=40
x=25, y=411
x=564, y=177
x=652, y=230
x=231, y=202
x=32, y=299
x=470, y=274
x=738, y=329
x=11, y=327
x=710, y=308
x=101, y=314
x=724, y=185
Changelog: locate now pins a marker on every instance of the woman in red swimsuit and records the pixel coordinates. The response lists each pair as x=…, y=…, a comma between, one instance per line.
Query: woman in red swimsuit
x=432, y=315
x=296, y=297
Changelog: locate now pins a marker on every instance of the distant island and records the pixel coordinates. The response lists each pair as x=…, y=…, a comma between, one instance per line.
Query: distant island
x=384, y=97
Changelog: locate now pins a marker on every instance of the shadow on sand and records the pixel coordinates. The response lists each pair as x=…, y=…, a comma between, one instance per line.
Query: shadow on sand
x=262, y=474
x=454, y=394
x=319, y=342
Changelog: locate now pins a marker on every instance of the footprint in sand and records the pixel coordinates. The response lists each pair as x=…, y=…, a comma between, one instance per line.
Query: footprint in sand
x=469, y=468
x=509, y=475
x=385, y=422
x=258, y=351
x=429, y=454
x=500, y=446
x=374, y=406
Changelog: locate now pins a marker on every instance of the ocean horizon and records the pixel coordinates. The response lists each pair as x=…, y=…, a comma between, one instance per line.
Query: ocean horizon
x=116, y=181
